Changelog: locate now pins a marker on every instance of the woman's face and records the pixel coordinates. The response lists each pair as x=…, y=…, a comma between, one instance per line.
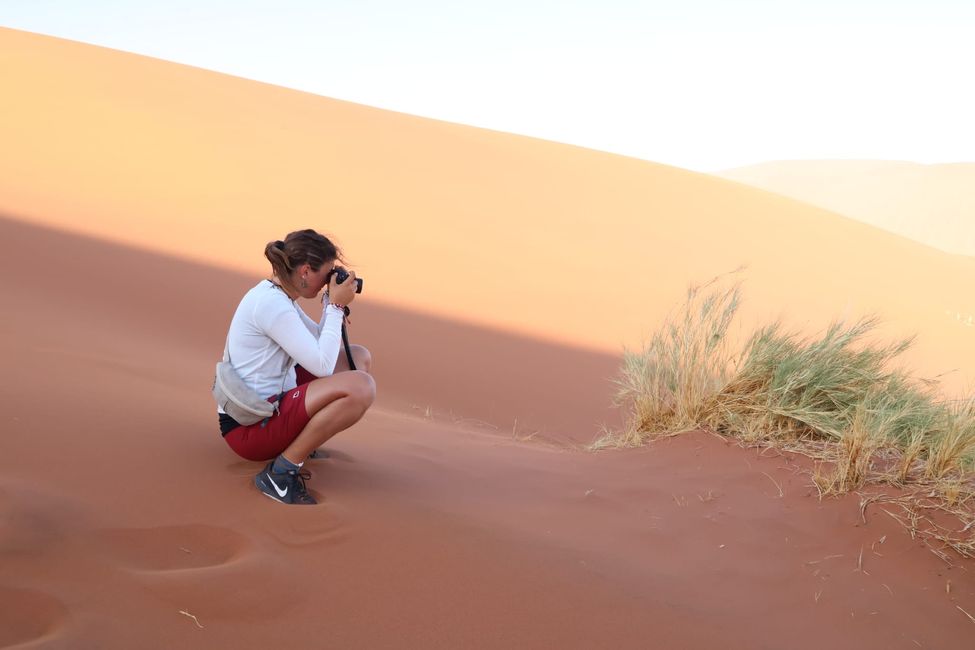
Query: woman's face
x=314, y=280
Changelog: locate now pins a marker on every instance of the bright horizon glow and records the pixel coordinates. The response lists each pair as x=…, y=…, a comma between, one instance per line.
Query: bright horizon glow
x=703, y=84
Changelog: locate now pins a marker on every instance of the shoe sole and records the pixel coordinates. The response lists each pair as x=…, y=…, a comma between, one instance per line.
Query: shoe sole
x=265, y=489
x=273, y=498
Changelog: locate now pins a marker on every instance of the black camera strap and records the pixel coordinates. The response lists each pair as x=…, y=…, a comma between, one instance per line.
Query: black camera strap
x=345, y=340
x=348, y=351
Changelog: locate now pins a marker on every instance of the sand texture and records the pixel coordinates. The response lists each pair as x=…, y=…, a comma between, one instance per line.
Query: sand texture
x=502, y=276
x=931, y=204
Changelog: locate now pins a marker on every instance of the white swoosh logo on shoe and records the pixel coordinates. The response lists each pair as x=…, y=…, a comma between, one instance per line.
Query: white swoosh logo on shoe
x=281, y=493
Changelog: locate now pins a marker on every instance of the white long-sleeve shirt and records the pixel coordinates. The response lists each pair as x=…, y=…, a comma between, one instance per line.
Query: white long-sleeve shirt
x=269, y=329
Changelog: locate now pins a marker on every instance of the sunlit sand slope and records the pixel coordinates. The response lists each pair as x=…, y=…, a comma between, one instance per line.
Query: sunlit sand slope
x=931, y=204
x=555, y=241
x=128, y=523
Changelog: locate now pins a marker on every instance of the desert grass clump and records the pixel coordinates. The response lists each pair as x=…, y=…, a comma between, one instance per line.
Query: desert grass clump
x=667, y=385
x=839, y=397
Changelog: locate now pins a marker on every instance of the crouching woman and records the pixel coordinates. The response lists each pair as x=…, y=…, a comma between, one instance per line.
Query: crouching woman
x=268, y=334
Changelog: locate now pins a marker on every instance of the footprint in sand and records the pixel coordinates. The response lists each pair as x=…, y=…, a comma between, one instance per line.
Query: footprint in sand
x=29, y=616
x=210, y=571
x=172, y=548
x=296, y=527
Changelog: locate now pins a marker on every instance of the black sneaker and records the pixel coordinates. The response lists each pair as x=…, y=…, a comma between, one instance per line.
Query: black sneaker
x=288, y=487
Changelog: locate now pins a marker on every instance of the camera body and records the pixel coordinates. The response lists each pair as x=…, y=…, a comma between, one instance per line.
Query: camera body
x=341, y=275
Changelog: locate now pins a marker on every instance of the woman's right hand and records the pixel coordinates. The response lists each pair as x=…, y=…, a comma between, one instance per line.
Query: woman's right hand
x=342, y=294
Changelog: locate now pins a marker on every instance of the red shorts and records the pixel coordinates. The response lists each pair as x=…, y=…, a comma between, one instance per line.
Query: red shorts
x=303, y=376
x=266, y=441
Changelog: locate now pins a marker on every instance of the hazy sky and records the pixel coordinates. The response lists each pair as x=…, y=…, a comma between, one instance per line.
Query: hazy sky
x=702, y=84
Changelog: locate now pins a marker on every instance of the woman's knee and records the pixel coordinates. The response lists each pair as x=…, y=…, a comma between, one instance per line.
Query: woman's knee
x=362, y=356
x=357, y=388
x=363, y=388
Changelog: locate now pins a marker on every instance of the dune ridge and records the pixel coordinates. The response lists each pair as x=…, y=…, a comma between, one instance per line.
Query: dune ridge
x=931, y=204
x=524, y=235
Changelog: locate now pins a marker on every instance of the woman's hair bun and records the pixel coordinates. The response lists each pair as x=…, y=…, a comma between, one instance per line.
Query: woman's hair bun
x=300, y=247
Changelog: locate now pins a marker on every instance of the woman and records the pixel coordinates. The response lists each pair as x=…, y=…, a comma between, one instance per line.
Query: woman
x=319, y=398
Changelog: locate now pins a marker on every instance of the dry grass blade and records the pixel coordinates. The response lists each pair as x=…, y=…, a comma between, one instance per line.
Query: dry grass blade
x=195, y=620
x=970, y=617
x=776, y=484
x=828, y=557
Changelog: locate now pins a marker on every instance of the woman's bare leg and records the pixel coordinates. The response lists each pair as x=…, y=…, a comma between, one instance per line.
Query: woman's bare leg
x=361, y=356
x=335, y=403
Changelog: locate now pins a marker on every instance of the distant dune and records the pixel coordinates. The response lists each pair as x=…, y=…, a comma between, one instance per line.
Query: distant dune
x=931, y=204
x=553, y=241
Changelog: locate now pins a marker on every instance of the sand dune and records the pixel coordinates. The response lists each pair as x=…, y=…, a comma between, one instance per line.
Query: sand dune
x=503, y=274
x=510, y=386
x=128, y=523
x=931, y=204
x=471, y=225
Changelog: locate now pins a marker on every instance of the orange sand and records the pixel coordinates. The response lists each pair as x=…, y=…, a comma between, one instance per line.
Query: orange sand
x=122, y=507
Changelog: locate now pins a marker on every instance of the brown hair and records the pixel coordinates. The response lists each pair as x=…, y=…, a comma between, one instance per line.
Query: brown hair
x=298, y=248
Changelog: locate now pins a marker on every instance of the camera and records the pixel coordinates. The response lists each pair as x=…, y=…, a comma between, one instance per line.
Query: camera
x=341, y=275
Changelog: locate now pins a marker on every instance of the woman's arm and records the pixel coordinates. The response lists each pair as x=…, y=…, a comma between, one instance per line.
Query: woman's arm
x=318, y=354
x=313, y=327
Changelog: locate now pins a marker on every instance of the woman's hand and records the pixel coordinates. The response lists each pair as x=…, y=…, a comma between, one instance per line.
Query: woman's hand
x=342, y=294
